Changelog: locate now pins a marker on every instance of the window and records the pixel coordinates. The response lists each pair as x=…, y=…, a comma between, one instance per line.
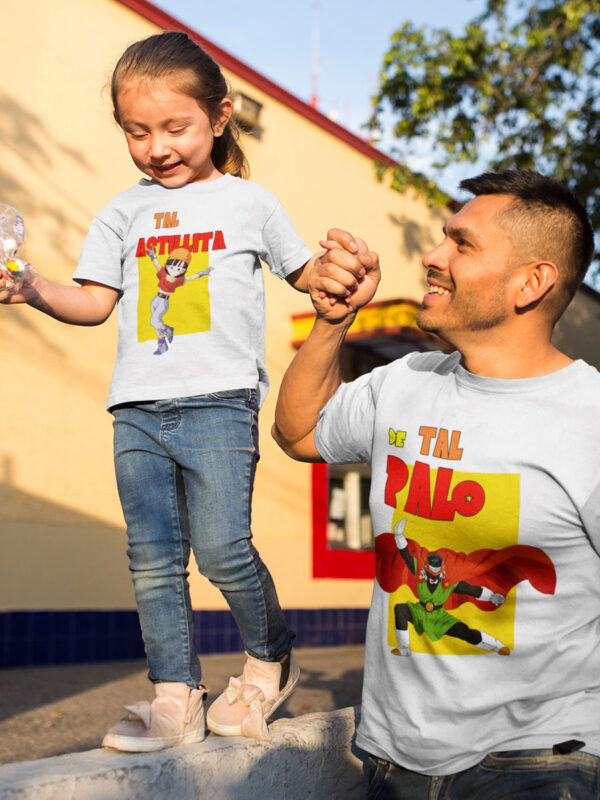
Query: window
x=349, y=523
x=335, y=560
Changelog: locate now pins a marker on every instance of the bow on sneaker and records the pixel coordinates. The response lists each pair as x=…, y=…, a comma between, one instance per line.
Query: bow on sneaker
x=140, y=711
x=253, y=725
x=175, y=716
x=245, y=706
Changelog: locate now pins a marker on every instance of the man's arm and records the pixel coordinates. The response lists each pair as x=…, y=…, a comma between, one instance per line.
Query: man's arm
x=340, y=281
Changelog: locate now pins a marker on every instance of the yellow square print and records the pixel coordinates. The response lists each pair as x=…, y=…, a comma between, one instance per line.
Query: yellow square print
x=496, y=526
x=189, y=304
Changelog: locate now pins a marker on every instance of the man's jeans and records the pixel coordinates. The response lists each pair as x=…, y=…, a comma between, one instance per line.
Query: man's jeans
x=185, y=471
x=510, y=775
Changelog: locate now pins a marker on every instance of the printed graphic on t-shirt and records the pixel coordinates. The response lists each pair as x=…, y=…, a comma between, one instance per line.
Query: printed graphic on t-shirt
x=174, y=274
x=452, y=562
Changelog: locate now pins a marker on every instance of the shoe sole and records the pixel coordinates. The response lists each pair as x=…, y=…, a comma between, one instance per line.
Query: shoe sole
x=137, y=744
x=236, y=730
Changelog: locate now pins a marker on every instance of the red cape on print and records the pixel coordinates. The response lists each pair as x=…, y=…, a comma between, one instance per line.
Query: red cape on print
x=498, y=570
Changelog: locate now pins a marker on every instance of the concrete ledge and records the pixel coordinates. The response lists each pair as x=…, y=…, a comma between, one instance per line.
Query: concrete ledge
x=309, y=757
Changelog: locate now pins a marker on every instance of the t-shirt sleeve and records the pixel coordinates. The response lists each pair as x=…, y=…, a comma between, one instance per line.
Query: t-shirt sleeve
x=590, y=516
x=101, y=256
x=283, y=250
x=344, y=432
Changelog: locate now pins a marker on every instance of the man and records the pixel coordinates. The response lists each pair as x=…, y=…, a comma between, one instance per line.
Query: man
x=498, y=475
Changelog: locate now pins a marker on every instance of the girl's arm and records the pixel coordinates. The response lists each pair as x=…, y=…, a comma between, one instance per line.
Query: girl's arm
x=88, y=304
x=299, y=278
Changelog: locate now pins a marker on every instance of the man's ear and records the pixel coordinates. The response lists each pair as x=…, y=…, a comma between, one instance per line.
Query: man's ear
x=222, y=116
x=537, y=279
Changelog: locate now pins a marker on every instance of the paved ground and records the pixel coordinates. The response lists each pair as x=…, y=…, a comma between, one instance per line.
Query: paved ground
x=48, y=711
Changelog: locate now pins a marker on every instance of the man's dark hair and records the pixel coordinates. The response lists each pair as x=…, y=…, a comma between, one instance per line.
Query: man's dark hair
x=547, y=221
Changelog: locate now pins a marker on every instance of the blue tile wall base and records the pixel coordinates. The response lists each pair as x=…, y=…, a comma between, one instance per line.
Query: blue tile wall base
x=42, y=638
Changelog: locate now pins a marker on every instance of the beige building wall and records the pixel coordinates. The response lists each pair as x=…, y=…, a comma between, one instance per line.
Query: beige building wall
x=61, y=158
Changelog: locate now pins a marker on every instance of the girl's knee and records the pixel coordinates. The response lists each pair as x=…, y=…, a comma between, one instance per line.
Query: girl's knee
x=229, y=561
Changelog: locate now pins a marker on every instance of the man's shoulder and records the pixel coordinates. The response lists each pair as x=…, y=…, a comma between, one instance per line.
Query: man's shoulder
x=432, y=362
x=588, y=370
x=400, y=375
x=583, y=389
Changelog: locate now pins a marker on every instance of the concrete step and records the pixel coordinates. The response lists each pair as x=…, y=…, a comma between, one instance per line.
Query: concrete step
x=311, y=757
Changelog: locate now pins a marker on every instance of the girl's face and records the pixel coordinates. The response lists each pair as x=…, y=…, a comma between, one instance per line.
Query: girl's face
x=170, y=137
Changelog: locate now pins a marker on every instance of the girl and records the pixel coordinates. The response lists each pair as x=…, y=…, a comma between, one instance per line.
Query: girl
x=185, y=424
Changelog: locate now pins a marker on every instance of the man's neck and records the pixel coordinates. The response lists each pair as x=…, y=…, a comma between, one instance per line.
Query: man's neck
x=495, y=360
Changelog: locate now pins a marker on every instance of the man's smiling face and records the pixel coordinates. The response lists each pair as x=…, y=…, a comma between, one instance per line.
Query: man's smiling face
x=469, y=272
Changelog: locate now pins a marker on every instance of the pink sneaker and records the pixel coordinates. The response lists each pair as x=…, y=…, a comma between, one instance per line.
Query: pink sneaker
x=245, y=706
x=175, y=716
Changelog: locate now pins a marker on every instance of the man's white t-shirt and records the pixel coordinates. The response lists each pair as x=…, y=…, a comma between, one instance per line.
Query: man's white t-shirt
x=501, y=479
x=217, y=321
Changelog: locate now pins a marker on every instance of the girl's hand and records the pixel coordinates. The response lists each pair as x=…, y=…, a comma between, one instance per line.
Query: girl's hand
x=21, y=290
x=344, y=277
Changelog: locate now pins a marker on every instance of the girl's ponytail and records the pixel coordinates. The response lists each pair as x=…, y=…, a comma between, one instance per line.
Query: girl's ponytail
x=227, y=155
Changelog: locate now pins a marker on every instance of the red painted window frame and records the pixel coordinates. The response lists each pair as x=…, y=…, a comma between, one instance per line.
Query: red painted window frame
x=329, y=562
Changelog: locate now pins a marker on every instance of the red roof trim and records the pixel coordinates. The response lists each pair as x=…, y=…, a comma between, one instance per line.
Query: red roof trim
x=165, y=21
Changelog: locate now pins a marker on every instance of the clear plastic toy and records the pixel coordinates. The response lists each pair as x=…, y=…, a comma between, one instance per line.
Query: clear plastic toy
x=12, y=236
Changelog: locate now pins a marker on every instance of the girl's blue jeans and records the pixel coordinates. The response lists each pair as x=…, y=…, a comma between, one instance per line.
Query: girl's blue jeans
x=185, y=472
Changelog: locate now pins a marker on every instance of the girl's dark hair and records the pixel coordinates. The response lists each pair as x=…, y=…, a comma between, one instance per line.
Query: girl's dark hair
x=198, y=75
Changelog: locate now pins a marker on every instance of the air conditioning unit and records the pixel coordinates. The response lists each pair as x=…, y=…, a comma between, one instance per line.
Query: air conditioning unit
x=247, y=112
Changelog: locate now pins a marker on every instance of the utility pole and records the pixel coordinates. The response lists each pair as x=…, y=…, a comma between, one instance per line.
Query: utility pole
x=314, y=77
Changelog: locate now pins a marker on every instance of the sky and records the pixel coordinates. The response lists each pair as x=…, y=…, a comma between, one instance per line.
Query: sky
x=277, y=38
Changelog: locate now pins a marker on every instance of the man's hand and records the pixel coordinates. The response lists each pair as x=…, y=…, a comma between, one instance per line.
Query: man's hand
x=344, y=277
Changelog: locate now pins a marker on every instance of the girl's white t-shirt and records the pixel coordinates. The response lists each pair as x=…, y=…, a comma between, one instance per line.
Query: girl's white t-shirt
x=216, y=322
x=500, y=479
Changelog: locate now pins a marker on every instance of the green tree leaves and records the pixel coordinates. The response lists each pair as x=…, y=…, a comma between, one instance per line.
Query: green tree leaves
x=522, y=82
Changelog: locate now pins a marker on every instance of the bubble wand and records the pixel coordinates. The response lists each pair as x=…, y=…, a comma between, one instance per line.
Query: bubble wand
x=13, y=270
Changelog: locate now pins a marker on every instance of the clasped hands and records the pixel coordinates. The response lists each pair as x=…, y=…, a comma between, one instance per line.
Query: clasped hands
x=344, y=277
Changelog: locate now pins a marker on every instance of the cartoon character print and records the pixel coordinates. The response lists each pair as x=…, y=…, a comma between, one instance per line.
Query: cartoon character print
x=170, y=277
x=442, y=579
